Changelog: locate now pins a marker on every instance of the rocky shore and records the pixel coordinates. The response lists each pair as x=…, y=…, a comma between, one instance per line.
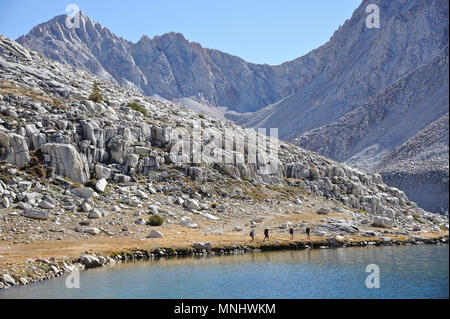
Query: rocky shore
x=44, y=269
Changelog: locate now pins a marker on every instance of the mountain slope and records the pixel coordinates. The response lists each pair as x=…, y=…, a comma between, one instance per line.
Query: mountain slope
x=50, y=130
x=420, y=167
x=376, y=135
x=358, y=63
x=388, y=120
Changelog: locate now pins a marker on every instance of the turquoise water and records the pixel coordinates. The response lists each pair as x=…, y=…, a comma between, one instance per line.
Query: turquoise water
x=405, y=272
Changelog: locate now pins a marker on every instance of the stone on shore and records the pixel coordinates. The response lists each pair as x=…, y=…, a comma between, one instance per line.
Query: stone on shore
x=8, y=280
x=36, y=214
x=155, y=234
x=90, y=261
x=202, y=246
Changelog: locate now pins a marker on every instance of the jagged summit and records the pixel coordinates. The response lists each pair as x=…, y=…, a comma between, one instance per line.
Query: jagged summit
x=167, y=65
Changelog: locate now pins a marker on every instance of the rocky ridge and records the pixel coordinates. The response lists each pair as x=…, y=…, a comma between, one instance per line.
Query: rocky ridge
x=167, y=65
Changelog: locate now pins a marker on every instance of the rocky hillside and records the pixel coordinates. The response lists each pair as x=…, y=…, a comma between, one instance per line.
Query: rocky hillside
x=420, y=166
x=167, y=65
x=367, y=135
x=388, y=120
x=318, y=101
x=73, y=168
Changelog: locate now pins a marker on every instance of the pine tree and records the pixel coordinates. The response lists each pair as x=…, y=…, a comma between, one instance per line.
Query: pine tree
x=95, y=95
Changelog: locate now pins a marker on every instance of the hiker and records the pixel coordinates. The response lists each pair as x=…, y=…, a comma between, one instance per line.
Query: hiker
x=307, y=233
x=266, y=234
x=291, y=231
x=252, y=235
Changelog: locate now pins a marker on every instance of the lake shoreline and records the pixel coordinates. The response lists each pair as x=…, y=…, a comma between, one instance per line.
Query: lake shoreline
x=46, y=269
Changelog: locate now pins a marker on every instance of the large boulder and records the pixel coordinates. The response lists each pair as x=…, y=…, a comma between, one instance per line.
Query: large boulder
x=324, y=210
x=83, y=192
x=155, y=234
x=100, y=185
x=67, y=161
x=13, y=148
x=384, y=222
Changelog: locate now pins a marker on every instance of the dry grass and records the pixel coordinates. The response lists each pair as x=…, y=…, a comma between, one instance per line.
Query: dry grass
x=10, y=88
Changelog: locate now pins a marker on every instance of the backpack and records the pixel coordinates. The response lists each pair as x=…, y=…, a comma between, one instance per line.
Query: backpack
x=252, y=233
x=291, y=231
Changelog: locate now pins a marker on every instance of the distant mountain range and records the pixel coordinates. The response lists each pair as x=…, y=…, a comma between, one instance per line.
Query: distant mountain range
x=360, y=98
x=167, y=65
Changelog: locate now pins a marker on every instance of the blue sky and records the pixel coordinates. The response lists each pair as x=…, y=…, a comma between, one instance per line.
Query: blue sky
x=259, y=31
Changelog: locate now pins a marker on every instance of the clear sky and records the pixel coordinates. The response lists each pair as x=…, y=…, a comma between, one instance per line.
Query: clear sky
x=259, y=31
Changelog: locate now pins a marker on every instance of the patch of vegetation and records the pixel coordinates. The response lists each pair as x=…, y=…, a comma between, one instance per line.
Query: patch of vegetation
x=74, y=184
x=142, y=155
x=34, y=167
x=214, y=205
x=10, y=88
x=247, y=179
x=289, y=191
x=137, y=107
x=95, y=95
x=91, y=183
x=256, y=194
x=155, y=220
x=202, y=116
x=4, y=175
x=416, y=216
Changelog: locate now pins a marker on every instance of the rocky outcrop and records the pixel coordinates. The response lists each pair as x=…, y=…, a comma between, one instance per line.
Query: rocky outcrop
x=354, y=99
x=66, y=161
x=14, y=148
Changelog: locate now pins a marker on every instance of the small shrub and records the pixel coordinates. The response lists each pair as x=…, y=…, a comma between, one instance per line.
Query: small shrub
x=91, y=183
x=95, y=95
x=34, y=167
x=155, y=220
x=137, y=107
x=202, y=116
x=214, y=205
